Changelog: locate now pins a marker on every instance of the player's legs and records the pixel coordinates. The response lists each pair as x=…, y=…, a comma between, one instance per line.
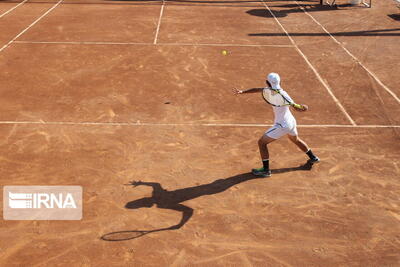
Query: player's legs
x=270, y=136
x=299, y=143
x=263, y=146
x=304, y=147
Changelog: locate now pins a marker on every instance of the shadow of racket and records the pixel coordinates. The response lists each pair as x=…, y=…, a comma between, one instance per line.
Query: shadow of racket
x=125, y=235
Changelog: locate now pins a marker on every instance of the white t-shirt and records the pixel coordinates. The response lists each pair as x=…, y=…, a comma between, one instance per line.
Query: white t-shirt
x=283, y=115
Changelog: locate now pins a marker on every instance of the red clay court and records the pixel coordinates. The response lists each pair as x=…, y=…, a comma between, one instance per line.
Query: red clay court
x=98, y=93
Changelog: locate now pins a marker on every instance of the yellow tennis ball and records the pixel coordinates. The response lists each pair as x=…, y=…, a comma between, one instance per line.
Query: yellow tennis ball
x=224, y=52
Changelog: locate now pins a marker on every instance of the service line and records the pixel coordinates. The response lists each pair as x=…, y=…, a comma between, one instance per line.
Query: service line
x=151, y=44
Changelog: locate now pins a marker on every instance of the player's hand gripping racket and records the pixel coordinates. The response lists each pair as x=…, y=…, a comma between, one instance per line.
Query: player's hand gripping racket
x=276, y=99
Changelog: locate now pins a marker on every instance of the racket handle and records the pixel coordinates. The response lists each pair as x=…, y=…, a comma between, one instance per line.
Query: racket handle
x=297, y=106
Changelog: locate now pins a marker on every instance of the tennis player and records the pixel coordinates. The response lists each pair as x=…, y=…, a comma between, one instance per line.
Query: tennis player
x=284, y=124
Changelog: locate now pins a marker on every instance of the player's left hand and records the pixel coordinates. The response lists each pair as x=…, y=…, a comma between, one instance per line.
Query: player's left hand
x=135, y=183
x=237, y=91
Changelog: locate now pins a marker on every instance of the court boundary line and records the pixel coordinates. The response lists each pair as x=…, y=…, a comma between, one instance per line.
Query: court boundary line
x=13, y=8
x=151, y=44
x=351, y=55
x=327, y=87
x=139, y=123
x=31, y=25
x=159, y=22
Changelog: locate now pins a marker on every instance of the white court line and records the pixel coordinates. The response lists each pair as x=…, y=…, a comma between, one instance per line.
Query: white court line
x=11, y=9
x=81, y=43
x=227, y=45
x=352, y=56
x=138, y=123
x=159, y=22
x=30, y=26
x=311, y=66
x=151, y=44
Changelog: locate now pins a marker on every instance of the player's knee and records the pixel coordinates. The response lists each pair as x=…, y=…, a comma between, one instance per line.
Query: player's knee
x=294, y=138
x=265, y=140
x=261, y=142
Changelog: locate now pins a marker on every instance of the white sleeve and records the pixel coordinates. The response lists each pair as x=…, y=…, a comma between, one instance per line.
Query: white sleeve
x=287, y=97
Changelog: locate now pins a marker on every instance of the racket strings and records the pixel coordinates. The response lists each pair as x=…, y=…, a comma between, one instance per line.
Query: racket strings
x=274, y=97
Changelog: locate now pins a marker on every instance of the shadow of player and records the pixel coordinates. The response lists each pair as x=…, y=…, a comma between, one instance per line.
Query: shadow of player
x=172, y=200
x=305, y=167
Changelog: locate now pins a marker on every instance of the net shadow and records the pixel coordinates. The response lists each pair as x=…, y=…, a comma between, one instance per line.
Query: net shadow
x=367, y=33
x=394, y=16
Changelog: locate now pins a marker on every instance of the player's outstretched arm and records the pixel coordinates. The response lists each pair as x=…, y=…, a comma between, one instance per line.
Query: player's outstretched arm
x=137, y=183
x=251, y=90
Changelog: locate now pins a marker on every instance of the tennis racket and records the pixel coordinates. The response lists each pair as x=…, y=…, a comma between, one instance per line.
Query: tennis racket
x=276, y=99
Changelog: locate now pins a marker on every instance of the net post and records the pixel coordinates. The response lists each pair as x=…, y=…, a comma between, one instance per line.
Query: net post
x=328, y=2
x=367, y=3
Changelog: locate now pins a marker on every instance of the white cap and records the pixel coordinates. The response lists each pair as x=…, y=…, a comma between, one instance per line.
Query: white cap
x=274, y=80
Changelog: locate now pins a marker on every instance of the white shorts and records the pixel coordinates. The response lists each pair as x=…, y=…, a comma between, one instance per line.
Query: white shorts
x=279, y=130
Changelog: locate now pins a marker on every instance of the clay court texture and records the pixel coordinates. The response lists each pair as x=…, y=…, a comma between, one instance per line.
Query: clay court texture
x=100, y=93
